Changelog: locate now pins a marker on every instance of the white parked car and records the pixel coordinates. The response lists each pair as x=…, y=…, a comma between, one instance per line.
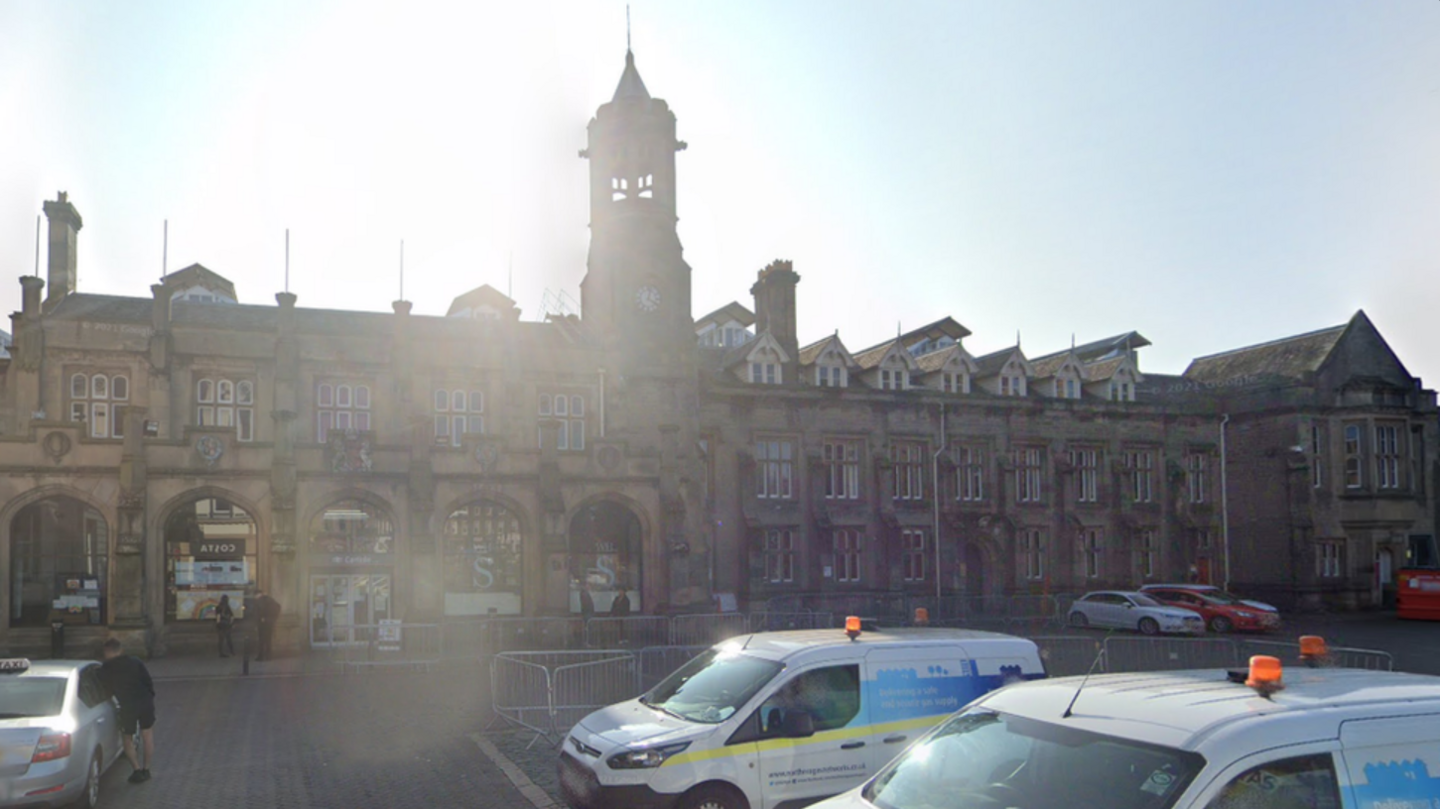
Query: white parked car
x=1120, y=610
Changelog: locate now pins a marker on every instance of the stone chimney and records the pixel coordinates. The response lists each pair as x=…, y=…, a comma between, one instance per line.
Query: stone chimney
x=774, y=292
x=30, y=287
x=65, y=226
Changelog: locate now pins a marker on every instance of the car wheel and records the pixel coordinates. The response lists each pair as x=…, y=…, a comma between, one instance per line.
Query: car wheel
x=90, y=796
x=1220, y=625
x=1149, y=626
x=713, y=796
x=1078, y=620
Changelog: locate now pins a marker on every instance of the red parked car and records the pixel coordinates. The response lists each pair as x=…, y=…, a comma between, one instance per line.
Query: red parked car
x=1222, y=611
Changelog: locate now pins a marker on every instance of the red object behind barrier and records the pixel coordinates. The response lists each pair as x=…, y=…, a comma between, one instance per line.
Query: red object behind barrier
x=1419, y=595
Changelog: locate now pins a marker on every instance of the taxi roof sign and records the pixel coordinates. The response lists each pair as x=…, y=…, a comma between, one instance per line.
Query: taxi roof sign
x=14, y=665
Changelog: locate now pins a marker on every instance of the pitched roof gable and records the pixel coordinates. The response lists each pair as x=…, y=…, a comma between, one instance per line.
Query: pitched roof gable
x=944, y=327
x=743, y=352
x=991, y=364
x=1050, y=365
x=200, y=275
x=484, y=295
x=873, y=356
x=945, y=358
x=730, y=311
x=809, y=354
x=1287, y=358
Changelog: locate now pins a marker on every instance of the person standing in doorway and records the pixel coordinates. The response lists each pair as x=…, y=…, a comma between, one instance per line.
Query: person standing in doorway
x=129, y=682
x=224, y=624
x=587, y=601
x=620, y=607
x=267, y=610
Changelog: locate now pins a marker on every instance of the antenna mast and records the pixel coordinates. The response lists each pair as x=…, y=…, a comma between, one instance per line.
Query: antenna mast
x=37, y=245
x=165, y=252
x=627, y=27
x=287, y=259
x=402, y=269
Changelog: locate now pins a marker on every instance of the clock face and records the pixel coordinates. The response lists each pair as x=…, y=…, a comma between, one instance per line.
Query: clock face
x=647, y=298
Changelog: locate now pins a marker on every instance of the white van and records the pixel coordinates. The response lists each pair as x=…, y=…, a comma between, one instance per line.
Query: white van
x=782, y=719
x=1331, y=738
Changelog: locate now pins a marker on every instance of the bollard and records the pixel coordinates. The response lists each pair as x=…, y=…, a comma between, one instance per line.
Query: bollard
x=245, y=654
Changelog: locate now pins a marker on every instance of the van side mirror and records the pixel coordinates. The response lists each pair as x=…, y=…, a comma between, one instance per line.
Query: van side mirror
x=798, y=725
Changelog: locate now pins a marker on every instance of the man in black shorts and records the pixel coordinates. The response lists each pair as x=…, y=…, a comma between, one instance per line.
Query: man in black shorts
x=129, y=680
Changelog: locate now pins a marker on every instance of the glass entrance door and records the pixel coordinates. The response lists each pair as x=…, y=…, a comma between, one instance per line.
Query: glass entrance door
x=344, y=608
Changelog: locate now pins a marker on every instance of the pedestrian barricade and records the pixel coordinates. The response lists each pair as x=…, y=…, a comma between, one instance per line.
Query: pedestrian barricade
x=1168, y=654
x=1066, y=656
x=1337, y=656
x=388, y=644
x=704, y=630
x=635, y=631
x=548, y=692
x=657, y=662
x=783, y=621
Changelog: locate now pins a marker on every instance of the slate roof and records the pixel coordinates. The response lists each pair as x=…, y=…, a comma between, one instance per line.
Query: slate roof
x=1048, y=366
x=810, y=353
x=1100, y=348
x=1290, y=357
x=944, y=327
x=484, y=294
x=1104, y=369
x=630, y=86
x=115, y=308
x=870, y=357
x=990, y=364
x=936, y=360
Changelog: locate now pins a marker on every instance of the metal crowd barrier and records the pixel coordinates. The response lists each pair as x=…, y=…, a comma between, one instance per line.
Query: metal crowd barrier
x=1339, y=656
x=1124, y=654
x=548, y=692
x=1070, y=655
x=657, y=662
x=390, y=645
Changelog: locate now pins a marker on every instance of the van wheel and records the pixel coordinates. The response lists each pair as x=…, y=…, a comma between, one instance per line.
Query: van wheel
x=1148, y=626
x=1220, y=625
x=713, y=796
x=1078, y=620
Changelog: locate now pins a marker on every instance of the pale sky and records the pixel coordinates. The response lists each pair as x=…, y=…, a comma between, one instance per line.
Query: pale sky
x=1210, y=174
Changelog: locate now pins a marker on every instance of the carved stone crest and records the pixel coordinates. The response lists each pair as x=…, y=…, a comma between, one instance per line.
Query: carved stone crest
x=282, y=544
x=210, y=448
x=132, y=499
x=348, y=452
x=57, y=445
x=487, y=454
x=609, y=458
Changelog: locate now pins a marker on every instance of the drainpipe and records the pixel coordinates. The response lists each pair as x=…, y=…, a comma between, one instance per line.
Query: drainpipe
x=935, y=498
x=1224, y=502
x=602, y=402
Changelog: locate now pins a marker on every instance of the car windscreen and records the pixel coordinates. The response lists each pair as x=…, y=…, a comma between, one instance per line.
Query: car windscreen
x=1144, y=601
x=711, y=687
x=31, y=696
x=982, y=759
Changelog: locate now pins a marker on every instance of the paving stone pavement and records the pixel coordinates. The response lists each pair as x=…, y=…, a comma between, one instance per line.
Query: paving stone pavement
x=383, y=739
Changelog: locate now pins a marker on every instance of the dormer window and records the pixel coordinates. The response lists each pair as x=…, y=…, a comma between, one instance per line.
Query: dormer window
x=957, y=382
x=646, y=185
x=765, y=373
x=619, y=188
x=830, y=376
x=1012, y=385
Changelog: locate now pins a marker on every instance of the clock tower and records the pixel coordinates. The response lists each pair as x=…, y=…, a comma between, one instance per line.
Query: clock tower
x=637, y=284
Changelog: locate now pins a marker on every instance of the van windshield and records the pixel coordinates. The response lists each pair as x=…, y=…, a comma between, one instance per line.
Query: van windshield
x=711, y=687
x=987, y=760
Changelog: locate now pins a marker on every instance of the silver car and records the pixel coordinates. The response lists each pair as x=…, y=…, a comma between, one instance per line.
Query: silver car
x=1122, y=610
x=58, y=732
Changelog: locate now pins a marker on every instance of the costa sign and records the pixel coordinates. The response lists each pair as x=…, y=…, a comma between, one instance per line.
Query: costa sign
x=219, y=549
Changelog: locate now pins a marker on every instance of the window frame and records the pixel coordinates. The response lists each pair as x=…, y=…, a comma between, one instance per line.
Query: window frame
x=1029, y=477
x=913, y=555
x=840, y=458
x=847, y=545
x=1032, y=553
x=1086, y=462
x=779, y=555
x=1354, y=447
x=774, y=477
x=907, y=459
x=969, y=473
x=349, y=409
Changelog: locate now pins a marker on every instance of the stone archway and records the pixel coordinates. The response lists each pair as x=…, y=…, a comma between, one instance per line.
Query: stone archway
x=59, y=550
x=484, y=553
x=605, y=558
x=211, y=548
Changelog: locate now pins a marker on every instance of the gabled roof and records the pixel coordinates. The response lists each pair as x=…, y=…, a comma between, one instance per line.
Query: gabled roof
x=938, y=360
x=1120, y=343
x=1050, y=365
x=944, y=327
x=1101, y=370
x=484, y=295
x=197, y=274
x=991, y=364
x=1289, y=357
x=630, y=86
x=809, y=354
x=743, y=352
x=873, y=356
x=730, y=311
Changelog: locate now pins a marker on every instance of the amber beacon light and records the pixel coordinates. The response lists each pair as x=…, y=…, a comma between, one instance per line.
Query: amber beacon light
x=1265, y=674
x=1313, y=650
x=852, y=626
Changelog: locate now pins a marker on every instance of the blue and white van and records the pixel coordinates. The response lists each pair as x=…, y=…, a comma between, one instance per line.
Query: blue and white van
x=782, y=719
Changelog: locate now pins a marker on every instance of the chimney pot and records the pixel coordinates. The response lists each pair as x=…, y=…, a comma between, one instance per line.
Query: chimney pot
x=65, y=226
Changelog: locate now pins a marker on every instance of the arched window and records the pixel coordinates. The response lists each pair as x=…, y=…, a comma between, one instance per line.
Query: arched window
x=99, y=386
x=484, y=551
x=79, y=386
x=225, y=392
x=119, y=388
x=58, y=552
x=352, y=527
x=211, y=548
x=205, y=391
x=605, y=557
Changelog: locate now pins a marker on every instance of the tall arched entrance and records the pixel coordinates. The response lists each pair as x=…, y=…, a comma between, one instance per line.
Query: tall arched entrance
x=605, y=558
x=59, y=548
x=484, y=555
x=352, y=547
x=211, y=551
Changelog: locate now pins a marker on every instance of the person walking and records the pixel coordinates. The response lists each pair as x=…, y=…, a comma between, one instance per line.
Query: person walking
x=267, y=610
x=224, y=624
x=127, y=679
x=620, y=607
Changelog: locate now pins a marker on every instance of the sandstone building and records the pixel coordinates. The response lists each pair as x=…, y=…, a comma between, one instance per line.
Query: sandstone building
x=158, y=452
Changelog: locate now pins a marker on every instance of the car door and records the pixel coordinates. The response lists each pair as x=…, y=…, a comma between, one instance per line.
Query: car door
x=95, y=715
x=1107, y=611
x=836, y=758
